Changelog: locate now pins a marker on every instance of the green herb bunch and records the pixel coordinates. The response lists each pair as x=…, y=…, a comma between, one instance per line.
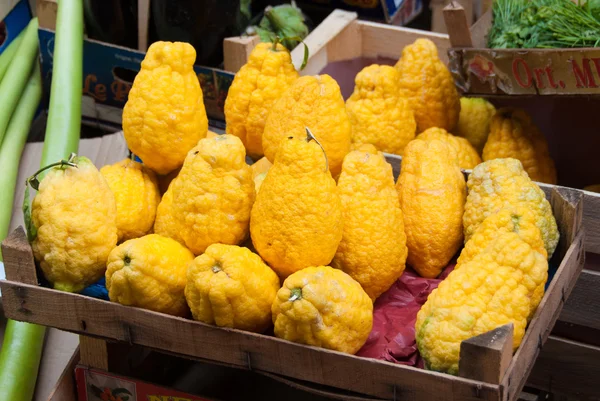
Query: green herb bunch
x=544, y=24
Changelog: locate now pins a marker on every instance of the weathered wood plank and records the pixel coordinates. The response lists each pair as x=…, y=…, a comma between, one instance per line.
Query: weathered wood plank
x=457, y=25
x=18, y=258
x=544, y=319
x=591, y=216
x=236, y=51
x=388, y=41
x=486, y=357
x=583, y=306
x=89, y=316
x=94, y=352
x=318, y=40
x=567, y=367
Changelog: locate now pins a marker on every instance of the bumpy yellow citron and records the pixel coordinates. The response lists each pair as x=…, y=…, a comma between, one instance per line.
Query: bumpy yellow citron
x=259, y=171
x=427, y=84
x=500, y=183
x=74, y=213
x=324, y=307
x=150, y=273
x=165, y=223
x=297, y=217
x=466, y=153
x=517, y=219
x=514, y=135
x=211, y=198
x=231, y=287
x=136, y=192
x=378, y=114
x=474, y=121
x=268, y=73
x=373, y=247
x=314, y=102
x=164, y=116
x=432, y=197
x=500, y=285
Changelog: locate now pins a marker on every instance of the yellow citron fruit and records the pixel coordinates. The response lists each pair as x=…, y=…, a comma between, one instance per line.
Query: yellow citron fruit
x=165, y=223
x=474, y=121
x=517, y=219
x=136, y=192
x=211, y=134
x=373, y=247
x=74, y=214
x=259, y=171
x=500, y=285
x=514, y=135
x=314, y=102
x=502, y=183
x=149, y=273
x=297, y=217
x=428, y=85
x=324, y=307
x=432, y=198
x=231, y=287
x=164, y=116
x=268, y=73
x=211, y=198
x=466, y=153
x=378, y=114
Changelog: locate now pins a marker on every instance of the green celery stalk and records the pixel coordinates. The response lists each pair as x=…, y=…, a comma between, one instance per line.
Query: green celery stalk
x=8, y=54
x=13, y=144
x=64, y=114
x=22, y=349
x=17, y=74
x=20, y=360
x=23, y=343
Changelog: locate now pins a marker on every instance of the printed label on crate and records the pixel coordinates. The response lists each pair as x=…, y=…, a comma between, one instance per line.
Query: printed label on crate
x=109, y=71
x=93, y=385
x=527, y=72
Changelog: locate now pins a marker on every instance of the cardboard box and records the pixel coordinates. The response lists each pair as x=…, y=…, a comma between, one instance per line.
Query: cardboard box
x=14, y=17
x=478, y=70
x=91, y=384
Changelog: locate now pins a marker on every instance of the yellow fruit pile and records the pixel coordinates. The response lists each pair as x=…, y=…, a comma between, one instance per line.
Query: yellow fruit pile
x=501, y=272
x=330, y=229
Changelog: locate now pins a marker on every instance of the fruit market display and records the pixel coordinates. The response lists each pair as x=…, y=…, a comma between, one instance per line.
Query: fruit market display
x=308, y=237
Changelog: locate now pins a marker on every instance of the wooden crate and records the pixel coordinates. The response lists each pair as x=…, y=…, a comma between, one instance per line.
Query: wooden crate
x=489, y=371
x=479, y=70
x=341, y=36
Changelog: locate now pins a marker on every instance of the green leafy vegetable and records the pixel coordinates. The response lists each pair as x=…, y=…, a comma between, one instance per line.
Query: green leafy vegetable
x=544, y=24
x=283, y=21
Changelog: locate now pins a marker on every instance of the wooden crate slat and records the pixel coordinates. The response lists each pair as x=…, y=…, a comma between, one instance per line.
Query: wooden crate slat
x=591, y=215
x=583, y=306
x=18, y=258
x=89, y=316
x=544, y=318
x=318, y=39
x=388, y=41
x=567, y=367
